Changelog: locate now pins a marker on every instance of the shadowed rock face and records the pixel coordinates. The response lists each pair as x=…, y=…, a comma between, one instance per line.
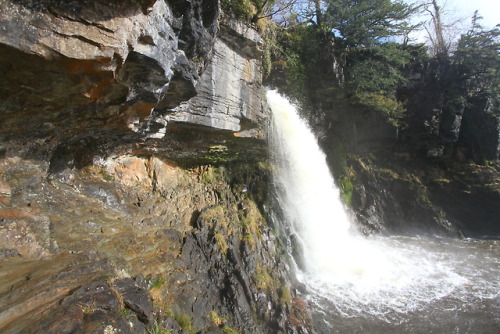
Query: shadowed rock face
x=108, y=64
x=128, y=66
x=446, y=119
x=113, y=216
x=437, y=173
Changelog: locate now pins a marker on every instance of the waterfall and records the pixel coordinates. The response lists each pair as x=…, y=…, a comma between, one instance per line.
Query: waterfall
x=306, y=188
x=311, y=199
x=376, y=280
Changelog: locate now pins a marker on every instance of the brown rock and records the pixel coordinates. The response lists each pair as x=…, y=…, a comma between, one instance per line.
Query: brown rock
x=29, y=288
x=67, y=322
x=16, y=235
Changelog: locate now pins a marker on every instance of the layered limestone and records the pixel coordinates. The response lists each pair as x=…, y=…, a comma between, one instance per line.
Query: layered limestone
x=132, y=199
x=138, y=63
x=232, y=85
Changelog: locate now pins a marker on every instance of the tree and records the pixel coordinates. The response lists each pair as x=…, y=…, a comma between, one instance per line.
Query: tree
x=478, y=59
x=438, y=42
x=374, y=75
x=368, y=22
x=255, y=10
x=441, y=32
x=270, y=8
x=476, y=83
x=308, y=11
x=442, y=26
x=353, y=34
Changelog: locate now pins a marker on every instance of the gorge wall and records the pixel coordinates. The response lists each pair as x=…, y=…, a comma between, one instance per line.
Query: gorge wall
x=134, y=174
x=436, y=172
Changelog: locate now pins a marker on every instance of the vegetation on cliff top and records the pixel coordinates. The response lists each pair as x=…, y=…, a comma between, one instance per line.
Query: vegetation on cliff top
x=359, y=53
x=372, y=92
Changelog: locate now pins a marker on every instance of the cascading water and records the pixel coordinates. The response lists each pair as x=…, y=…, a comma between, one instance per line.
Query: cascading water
x=371, y=285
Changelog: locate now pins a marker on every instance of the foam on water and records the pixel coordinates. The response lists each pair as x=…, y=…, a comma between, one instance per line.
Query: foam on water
x=380, y=277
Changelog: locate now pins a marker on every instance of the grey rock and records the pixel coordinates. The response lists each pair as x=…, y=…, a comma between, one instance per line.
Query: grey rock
x=135, y=298
x=242, y=38
x=95, y=295
x=229, y=95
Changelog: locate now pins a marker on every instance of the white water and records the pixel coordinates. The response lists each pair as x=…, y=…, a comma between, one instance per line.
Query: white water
x=382, y=283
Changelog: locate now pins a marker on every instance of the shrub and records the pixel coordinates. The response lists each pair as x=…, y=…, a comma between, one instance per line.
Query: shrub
x=242, y=9
x=184, y=322
x=216, y=319
x=285, y=296
x=229, y=330
x=221, y=243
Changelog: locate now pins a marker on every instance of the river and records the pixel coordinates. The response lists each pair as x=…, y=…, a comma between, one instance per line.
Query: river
x=378, y=284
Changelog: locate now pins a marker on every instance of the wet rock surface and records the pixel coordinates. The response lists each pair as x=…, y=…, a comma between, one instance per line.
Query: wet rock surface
x=131, y=243
x=133, y=181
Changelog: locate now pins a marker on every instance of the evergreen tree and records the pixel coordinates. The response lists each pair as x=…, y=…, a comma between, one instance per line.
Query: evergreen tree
x=368, y=22
x=478, y=60
x=374, y=75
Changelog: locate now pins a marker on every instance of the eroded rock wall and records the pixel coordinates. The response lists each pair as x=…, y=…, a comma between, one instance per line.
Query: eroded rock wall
x=128, y=65
x=131, y=241
x=133, y=176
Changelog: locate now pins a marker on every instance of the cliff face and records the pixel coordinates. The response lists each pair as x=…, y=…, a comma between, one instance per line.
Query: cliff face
x=415, y=180
x=448, y=117
x=130, y=66
x=436, y=172
x=133, y=183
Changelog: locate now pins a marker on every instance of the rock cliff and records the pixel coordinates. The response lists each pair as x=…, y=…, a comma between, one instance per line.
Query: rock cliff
x=434, y=171
x=414, y=180
x=133, y=174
